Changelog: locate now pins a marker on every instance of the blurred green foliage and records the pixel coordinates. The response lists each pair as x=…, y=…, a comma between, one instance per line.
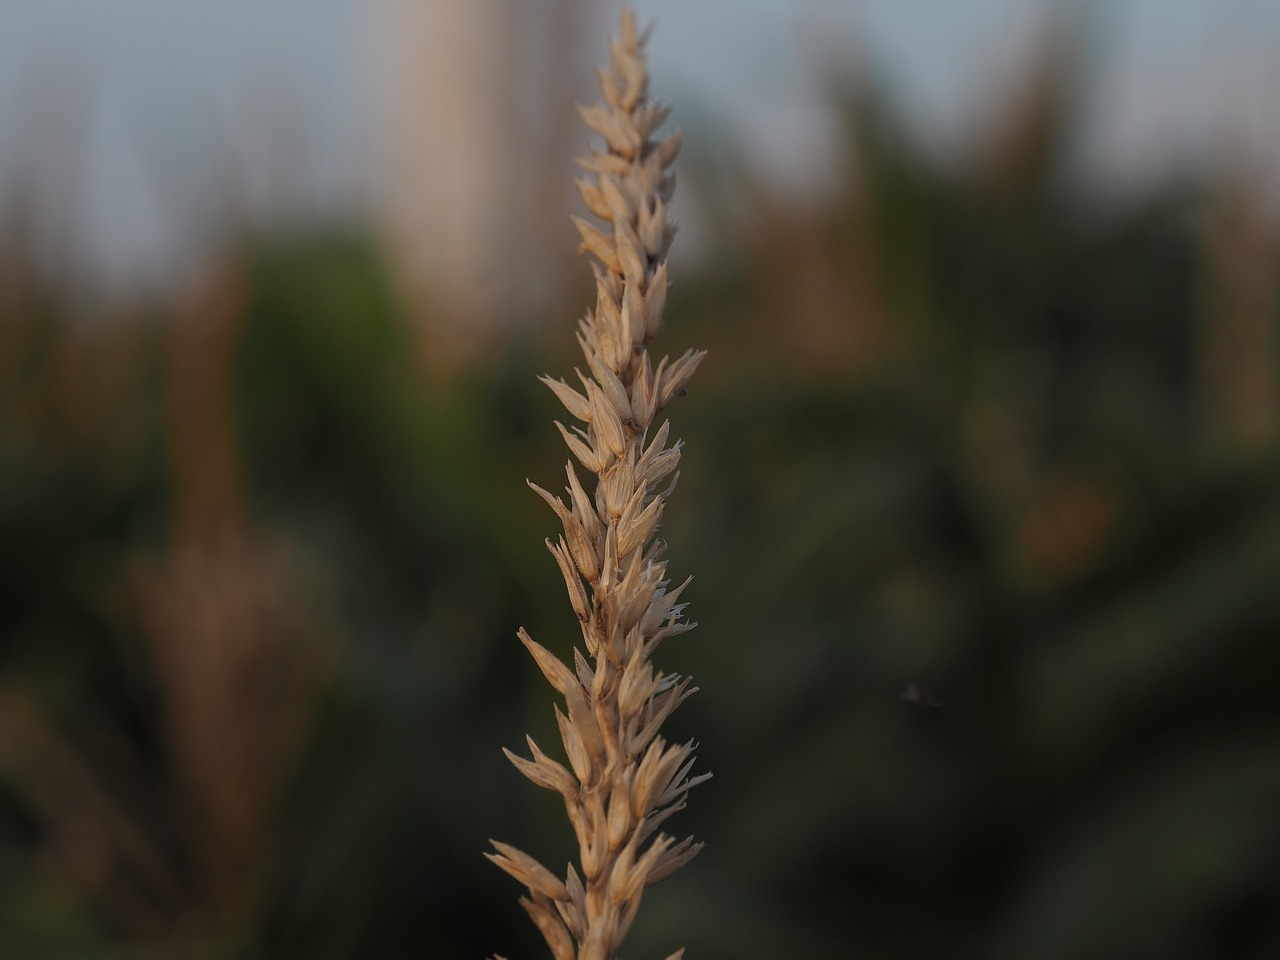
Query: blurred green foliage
x=982, y=499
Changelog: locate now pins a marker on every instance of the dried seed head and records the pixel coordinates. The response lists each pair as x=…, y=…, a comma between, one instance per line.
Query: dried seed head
x=623, y=778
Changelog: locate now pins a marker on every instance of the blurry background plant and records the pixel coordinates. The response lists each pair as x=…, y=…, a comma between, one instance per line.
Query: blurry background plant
x=968, y=435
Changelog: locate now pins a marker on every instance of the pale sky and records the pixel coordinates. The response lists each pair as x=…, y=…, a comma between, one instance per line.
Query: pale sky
x=171, y=85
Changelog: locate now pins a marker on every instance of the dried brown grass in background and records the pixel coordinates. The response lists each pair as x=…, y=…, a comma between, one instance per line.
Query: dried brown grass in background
x=624, y=779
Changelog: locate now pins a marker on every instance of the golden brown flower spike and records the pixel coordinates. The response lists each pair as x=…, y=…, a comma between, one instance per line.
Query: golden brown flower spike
x=623, y=780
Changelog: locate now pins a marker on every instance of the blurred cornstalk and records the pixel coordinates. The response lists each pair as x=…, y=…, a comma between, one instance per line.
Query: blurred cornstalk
x=157, y=809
